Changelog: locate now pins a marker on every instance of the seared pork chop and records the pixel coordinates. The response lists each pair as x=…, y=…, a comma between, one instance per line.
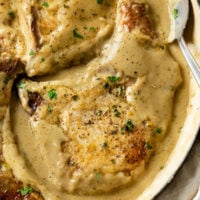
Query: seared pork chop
x=98, y=133
x=103, y=128
x=58, y=34
x=98, y=126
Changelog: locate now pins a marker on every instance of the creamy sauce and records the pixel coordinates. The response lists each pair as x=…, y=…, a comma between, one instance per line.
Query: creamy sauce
x=155, y=78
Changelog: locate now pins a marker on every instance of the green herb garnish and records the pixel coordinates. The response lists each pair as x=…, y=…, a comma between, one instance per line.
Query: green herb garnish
x=45, y=4
x=52, y=94
x=176, y=14
x=122, y=130
x=98, y=176
x=117, y=113
x=105, y=145
x=92, y=29
x=100, y=1
x=77, y=35
x=158, y=130
x=148, y=145
x=11, y=14
x=161, y=167
x=75, y=97
x=122, y=89
x=7, y=79
x=129, y=126
x=98, y=112
x=49, y=109
x=25, y=190
x=113, y=78
x=31, y=53
x=42, y=60
x=21, y=85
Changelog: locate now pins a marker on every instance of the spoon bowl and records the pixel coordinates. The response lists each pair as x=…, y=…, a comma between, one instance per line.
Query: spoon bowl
x=179, y=13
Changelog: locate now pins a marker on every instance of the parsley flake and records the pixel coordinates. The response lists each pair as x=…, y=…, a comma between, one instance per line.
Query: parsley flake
x=77, y=35
x=25, y=190
x=122, y=89
x=113, y=78
x=161, y=167
x=98, y=112
x=7, y=79
x=21, y=85
x=49, y=109
x=117, y=113
x=98, y=176
x=176, y=14
x=42, y=60
x=100, y=1
x=158, y=130
x=11, y=14
x=45, y=4
x=105, y=145
x=75, y=97
x=122, y=130
x=92, y=29
x=52, y=94
x=129, y=126
x=148, y=145
x=31, y=53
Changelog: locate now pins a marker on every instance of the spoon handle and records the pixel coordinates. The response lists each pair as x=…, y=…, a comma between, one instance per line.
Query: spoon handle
x=194, y=67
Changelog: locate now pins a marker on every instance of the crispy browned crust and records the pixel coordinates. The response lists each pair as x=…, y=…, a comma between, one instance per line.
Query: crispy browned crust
x=135, y=15
x=35, y=99
x=34, y=27
x=8, y=65
x=133, y=148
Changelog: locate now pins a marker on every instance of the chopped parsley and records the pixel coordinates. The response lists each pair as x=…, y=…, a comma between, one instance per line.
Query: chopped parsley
x=148, y=145
x=75, y=97
x=158, y=130
x=98, y=112
x=161, y=167
x=77, y=35
x=49, y=109
x=31, y=53
x=11, y=14
x=92, y=29
x=122, y=130
x=113, y=78
x=98, y=176
x=129, y=126
x=117, y=113
x=7, y=79
x=176, y=14
x=21, y=85
x=52, y=94
x=122, y=89
x=100, y=1
x=45, y=4
x=105, y=145
x=25, y=190
x=42, y=60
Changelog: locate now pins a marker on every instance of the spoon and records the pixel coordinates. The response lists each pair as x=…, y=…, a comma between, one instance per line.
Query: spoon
x=179, y=12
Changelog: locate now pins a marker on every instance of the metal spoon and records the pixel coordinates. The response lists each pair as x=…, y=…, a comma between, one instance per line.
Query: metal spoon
x=179, y=11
